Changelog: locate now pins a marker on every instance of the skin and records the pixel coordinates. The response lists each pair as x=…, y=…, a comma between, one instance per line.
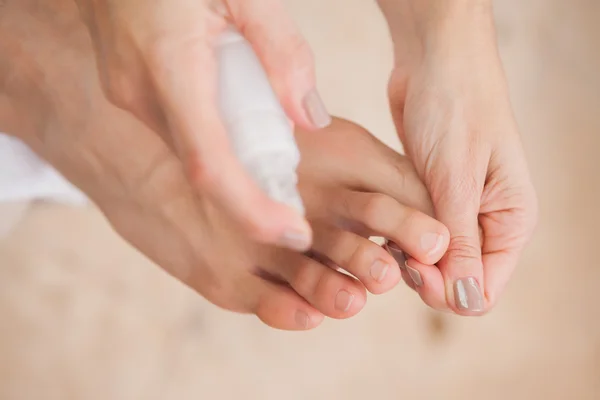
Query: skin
x=156, y=60
x=450, y=103
x=140, y=185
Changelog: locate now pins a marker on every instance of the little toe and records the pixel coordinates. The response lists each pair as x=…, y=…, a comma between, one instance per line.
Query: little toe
x=368, y=262
x=280, y=307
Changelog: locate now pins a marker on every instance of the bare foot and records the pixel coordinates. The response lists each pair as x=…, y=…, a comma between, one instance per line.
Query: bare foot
x=353, y=186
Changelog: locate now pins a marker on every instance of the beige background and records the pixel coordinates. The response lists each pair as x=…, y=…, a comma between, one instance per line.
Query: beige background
x=82, y=316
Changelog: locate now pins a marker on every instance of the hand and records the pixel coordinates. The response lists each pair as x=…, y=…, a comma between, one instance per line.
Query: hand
x=148, y=200
x=451, y=106
x=156, y=60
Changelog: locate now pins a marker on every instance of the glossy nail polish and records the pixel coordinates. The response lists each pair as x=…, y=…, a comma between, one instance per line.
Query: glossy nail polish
x=467, y=295
x=398, y=254
x=315, y=109
x=415, y=276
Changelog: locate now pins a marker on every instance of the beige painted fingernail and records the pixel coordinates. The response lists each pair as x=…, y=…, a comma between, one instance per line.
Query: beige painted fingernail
x=379, y=270
x=302, y=319
x=316, y=110
x=467, y=295
x=415, y=276
x=431, y=242
x=343, y=301
x=398, y=254
x=295, y=240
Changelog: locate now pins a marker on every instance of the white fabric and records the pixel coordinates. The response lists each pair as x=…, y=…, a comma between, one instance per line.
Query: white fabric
x=24, y=178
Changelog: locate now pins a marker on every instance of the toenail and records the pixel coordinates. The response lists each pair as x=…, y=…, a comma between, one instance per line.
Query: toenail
x=343, y=301
x=302, y=319
x=414, y=275
x=398, y=254
x=379, y=270
x=431, y=242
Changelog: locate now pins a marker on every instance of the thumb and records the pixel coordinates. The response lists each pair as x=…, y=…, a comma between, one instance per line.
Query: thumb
x=462, y=266
x=286, y=57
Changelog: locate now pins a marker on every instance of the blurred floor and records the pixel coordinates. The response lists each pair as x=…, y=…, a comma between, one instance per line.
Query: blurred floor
x=85, y=317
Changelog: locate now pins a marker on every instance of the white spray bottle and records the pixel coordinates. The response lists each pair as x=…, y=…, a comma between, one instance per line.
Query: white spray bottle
x=259, y=130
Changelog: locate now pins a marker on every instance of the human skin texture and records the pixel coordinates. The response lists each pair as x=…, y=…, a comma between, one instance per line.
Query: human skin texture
x=451, y=107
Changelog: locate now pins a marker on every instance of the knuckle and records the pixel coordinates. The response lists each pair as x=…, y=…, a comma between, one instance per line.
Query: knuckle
x=463, y=249
x=167, y=50
x=374, y=212
x=306, y=279
x=120, y=89
x=362, y=257
x=300, y=50
x=203, y=175
x=297, y=55
x=407, y=221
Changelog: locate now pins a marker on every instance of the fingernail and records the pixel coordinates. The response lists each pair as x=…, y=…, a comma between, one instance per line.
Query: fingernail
x=379, y=270
x=415, y=276
x=431, y=242
x=302, y=319
x=295, y=240
x=467, y=295
x=315, y=108
x=398, y=254
x=343, y=301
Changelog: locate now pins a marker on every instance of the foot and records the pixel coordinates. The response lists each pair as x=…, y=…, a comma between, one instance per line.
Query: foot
x=353, y=186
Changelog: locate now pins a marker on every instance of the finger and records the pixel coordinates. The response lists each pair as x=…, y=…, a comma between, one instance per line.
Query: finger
x=281, y=307
x=462, y=266
x=368, y=262
x=335, y=294
x=499, y=267
x=286, y=56
x=185, y=76
x=418, y=234
x=505, y=234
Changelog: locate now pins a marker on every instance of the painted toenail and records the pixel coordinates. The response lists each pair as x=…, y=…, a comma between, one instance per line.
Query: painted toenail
x=379, y=270
x=343, y=301
x=302, y=319
x=431, y=242
x=415, y=276
x=398, y=254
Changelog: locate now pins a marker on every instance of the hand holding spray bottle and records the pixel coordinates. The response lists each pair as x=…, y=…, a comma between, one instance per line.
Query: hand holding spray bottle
x=260, y=132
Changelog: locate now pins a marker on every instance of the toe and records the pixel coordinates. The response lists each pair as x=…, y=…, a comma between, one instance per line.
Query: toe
x=280, y=307
x=428, y=281
x=423, y=237
x=333, y=293
x=368, y=262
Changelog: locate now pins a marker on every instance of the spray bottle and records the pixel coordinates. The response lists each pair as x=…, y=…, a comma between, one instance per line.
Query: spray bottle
x=259, y=130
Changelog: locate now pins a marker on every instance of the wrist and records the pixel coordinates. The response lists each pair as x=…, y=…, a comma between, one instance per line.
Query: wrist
x=421, y=28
